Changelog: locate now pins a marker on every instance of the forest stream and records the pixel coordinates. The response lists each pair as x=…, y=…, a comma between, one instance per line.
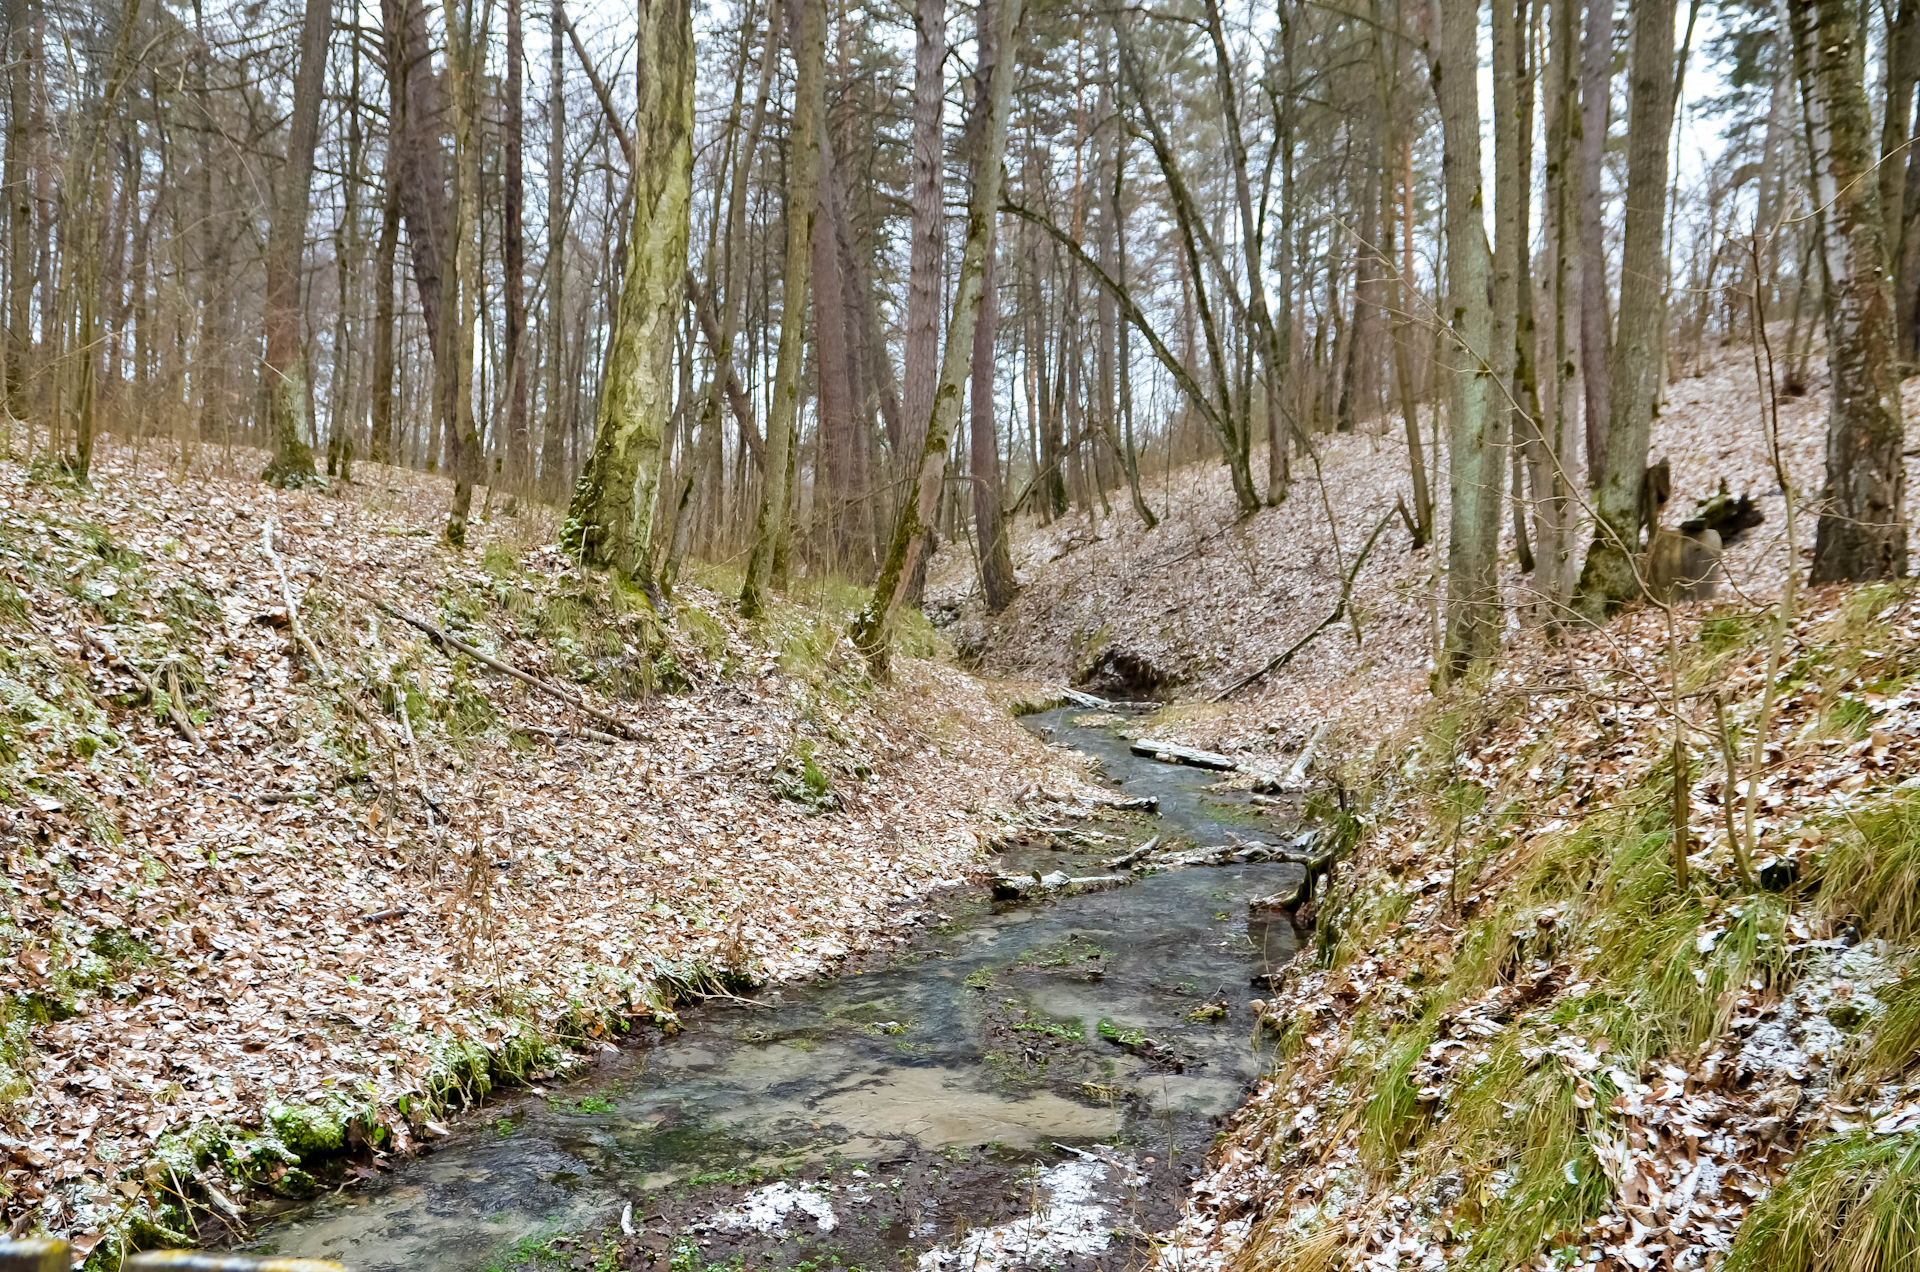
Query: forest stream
x=1032, y=1083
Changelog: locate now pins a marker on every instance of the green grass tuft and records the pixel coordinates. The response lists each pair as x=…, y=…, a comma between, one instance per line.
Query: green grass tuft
x=1850, y=1204
x=1871, y=873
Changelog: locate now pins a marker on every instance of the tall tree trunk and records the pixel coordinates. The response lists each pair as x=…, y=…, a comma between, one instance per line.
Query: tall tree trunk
x=1596, y=332
x=513, y=253
x=833, y=368
x=20, y=56
x=809, y=41
x=1280, y=427
x=88, y=242
x=460, y=264
x=1551, y=479
x=1261, y=331
x=1862, y=533
x=286, y=369
x=873, y=629
x=989, y=525
x=553, y=433
x=1117, y=232
x=1610, y=577
x=610, y=521
x=1475, y=452
x=380, y=443
x=925, y=233
x=419, y=109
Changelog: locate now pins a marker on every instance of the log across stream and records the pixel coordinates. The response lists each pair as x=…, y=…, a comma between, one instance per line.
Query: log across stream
x=1033, y=1084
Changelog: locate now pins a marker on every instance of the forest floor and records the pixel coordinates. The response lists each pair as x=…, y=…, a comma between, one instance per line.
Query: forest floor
x=1518, y=1037
x=260, y=909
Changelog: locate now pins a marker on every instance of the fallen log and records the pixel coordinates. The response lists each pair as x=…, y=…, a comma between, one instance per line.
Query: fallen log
x=1169, y=753
x=1025, y=887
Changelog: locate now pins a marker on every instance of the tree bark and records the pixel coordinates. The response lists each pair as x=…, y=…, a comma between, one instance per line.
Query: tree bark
x=553, y=433
x=286, y=371
x=873, y=628
x=925, y=233
x=1862, y=532
x=809, y=40
x=1596, y=334
x=513, y=253
x=1551, y=495
x=380, y=444
x=1475, y=447
x=1610, y=577
x=989, y=525
x=610, y=521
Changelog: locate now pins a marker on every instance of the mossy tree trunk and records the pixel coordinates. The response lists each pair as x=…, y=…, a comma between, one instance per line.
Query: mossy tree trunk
x=610, y=522
x=873, y=628
x=1862, y=533
x=286, y=368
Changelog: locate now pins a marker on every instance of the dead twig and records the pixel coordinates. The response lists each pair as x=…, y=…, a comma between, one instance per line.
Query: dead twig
x=176, y=713
x=448, y=641
x=1339, y=612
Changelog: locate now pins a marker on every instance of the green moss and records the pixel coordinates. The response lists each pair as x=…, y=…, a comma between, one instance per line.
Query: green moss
x=308, y=1131
x=1849, y=1204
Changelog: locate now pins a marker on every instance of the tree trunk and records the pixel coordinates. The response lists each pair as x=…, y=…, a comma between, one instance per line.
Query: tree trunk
x=1551, y=497
x=1596, y=335
x=1475, y=442
x=873, y=629
x=380, y=445
x=286, y=370
x=926, y=231
x=989, y=525
x=553, y=433
x=833, y=368
x=1610, y=577
x=809, y=41
x=460, y=263
x=513, y=254
x=20, y=56
x=1862, y=533
x=419, y=108
x=610, y=521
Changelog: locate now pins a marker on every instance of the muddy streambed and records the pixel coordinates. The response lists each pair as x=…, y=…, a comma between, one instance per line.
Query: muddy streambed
x=1033, y=1084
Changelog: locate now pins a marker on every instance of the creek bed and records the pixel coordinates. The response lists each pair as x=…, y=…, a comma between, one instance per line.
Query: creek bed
x=1032, y=1084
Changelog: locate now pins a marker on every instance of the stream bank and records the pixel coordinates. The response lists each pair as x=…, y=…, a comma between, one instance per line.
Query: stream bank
x=1030, y=1083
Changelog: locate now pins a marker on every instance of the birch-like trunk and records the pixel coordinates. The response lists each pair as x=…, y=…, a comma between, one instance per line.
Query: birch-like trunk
x=1475, y=452
x=1862, y=533
x=873, y=629
x=610, y=522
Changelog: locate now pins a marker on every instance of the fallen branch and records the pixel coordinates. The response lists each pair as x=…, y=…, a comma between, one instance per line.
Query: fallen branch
x=1339, y=612
x=540, y=730
x=448, y=641
x=111, y=656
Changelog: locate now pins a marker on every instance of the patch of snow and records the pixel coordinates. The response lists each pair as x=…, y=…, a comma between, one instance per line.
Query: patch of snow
x=766, y=1209
x=1071, y=1221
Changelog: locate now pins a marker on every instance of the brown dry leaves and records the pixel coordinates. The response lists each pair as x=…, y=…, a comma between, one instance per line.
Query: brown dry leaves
x=231, y=885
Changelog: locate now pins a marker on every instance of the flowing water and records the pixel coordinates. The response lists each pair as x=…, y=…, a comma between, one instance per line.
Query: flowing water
x=1028, y=1081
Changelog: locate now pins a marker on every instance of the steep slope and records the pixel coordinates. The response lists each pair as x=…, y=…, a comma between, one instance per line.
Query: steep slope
x=1182, y=611
x=1523, y=1039
x=285, y=878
